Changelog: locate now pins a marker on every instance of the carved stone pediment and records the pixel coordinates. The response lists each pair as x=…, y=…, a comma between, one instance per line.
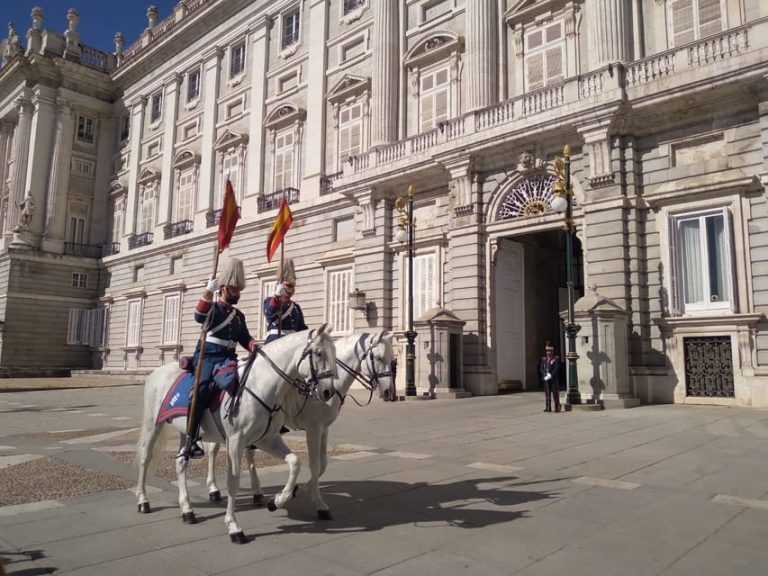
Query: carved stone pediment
x=350, y=85
x=147, y=175
x=228, y=139
x=524, y=10
x=436, y=46
x=117, y=188
x=284, y=115
x=185, y=158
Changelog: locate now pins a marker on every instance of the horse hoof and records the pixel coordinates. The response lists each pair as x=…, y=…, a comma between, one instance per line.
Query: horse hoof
x=324, y=514
x=188, y=518
x=238, y=538
x=258, y=500
x=215, y=496
x=144, y=508
x=271, y=506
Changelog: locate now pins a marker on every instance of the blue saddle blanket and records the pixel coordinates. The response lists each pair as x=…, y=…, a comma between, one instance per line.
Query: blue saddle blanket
x=177, y=399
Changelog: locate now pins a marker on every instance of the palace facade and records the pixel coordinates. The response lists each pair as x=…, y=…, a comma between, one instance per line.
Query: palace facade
x=112, y=168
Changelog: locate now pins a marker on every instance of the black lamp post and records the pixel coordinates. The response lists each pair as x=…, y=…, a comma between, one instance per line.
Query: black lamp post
x=563, y=203
x=405, y=231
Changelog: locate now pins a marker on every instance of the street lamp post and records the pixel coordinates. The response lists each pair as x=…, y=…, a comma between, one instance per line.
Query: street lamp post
x=405, y=231
x=563, y=203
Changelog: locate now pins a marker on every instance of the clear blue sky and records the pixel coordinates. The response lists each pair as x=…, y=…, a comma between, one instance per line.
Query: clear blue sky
x=99, y=19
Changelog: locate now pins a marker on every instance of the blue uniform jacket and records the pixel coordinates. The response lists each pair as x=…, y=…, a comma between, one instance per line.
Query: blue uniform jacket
x=292, y=317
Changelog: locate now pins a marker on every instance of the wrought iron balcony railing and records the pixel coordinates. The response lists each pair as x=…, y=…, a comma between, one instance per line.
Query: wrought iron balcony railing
x=82, y=250
x=326, y=182
x=110, y=248
x=144, y=239
x=272, y=201
x=178, y=228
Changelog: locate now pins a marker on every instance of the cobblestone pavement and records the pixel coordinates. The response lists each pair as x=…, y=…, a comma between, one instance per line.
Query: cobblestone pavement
x=477, y=486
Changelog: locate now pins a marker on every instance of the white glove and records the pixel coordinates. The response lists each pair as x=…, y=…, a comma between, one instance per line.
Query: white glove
x=548, y=377
x=213, y=285
x=280, y=290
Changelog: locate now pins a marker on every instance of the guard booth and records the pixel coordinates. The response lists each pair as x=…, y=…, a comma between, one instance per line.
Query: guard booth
x=439, y=365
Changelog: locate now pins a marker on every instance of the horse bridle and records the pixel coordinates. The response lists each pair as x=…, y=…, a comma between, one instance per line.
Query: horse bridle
x=369, y=361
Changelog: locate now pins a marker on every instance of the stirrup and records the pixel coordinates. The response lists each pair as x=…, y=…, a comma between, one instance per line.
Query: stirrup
x=195, y=452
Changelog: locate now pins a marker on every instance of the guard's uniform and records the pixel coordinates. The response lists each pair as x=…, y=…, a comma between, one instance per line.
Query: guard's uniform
x=290, y=319
x=551, y=366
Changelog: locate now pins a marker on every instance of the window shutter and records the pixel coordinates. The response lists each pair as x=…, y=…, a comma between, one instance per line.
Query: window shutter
x=709, y=18
x=170, y=323
x=682, y=22
x=554, y=65
x=673, y=272
x=427, y=112
x=88, y=317
x=288, y=168
x=72, y=326
x=344, y=143
x=356, y=138
x=279, y=170
x=99, y=316
x=535, y=68
x=441, y=106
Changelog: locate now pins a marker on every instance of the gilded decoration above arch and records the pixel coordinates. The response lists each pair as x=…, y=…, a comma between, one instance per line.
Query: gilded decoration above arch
x=530, y=195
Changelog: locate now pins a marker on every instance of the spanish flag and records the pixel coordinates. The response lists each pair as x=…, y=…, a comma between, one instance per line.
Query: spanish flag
x=230, y=214
x=280, y=227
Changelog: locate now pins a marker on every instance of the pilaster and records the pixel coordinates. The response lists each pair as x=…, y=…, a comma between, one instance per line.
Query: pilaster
x=101, y=217
x=6, y=135
x=609, y=29
x=20, y=156
x=58, y=184
x=257, y=139
x=211, y=66
x=460, y=197
x=165, y=203
x=138, y=109
x=314, y=165
x=386, y=66
x=482, y=53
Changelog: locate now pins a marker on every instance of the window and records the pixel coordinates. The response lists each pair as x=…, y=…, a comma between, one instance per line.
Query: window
x=193, y=85
x=171, y=308
x=87, y=327
x=156, y=108
x=290, y=32
x=85, y=129
x=350, y=5
x=82, y=167
x=133, y=324
x=287, y=82
x=76, y=233
x=176, y=265
x=184, y=196
x=138, y=273
x=353, y=49
x=544, y=49
x=701, y=261
x=283, y=160
x=350, y=132
x=694, y=19
x=125, y=128
x=79, y=280
x=432, y=10
x=230, y=168
x=267, y=289
x=117, y=220
x=147, y=208
x=339, y=312
x=237, y=60
x=424, y=293
x=434, y=98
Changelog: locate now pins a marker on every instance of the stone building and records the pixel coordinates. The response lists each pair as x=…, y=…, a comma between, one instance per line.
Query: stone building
x=340, y=105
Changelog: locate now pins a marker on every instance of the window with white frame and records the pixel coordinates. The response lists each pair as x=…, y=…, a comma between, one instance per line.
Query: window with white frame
x=146, y=208
x=156, y=107
x=701, y=247
x=268, y=288
x=434, y=98
x=339, y=313
x=424, y=284
x=694, y=19
x=133, y=323
x=87, y=327
x=193, y=85
x=84, y=129
x=237, y=60
x=230, y=168
x=118, y=217
x=290, y=27
x=185, y=195
x=79, y=280
x=76, y=232
x=284, y=143
x=544, y=56
x=125, y=128
x=171, y=318
x=350, y=132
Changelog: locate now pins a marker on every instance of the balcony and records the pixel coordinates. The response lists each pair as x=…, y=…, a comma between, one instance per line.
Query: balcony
x=139, y=240
x=272, y=201
x=178, y=228
x=110, y=248
x=82, y=250
x=326, y=183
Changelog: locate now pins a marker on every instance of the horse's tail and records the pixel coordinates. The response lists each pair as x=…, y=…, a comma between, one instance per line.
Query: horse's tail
x=157, y=436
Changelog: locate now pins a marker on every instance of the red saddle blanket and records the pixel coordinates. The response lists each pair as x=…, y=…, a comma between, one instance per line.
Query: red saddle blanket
x=177, y=400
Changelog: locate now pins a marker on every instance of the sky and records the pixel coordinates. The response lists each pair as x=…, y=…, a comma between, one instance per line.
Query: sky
x=99, y=19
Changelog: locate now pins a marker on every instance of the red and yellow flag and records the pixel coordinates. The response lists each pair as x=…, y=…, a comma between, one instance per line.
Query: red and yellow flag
x=230, y=214
x=280, y=227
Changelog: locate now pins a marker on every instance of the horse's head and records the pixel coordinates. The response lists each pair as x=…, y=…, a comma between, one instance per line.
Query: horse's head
x=317, y=366
x=377, y=363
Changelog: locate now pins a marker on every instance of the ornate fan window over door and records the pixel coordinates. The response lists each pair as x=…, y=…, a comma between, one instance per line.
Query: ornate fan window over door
x=531, y=196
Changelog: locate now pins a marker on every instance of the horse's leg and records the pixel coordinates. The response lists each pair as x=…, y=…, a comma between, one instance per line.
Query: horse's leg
x=315, y=449
x=258, y=495
x=234, y=452
x=149, y=444
x=275, y=446
x=323, y=450
x=187, y=515
x=212, y=448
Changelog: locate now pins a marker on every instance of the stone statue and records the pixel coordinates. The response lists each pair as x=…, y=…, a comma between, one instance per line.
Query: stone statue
x=27, y=211
x=526, y=162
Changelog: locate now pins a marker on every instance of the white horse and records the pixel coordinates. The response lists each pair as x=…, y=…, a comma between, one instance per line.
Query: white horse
x=364, y=357
x=305, y=360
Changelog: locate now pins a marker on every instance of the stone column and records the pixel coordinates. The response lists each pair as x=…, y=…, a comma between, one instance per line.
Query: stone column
x=609, y=29
x=256, y=142
x=314, y=165
x=385, y=72
x=138, y=110
x=211, y=77
x=482, y=53
x=167, y=180
x=6, y=137
x=101, y=217
x=58, y=184
x=20, y=156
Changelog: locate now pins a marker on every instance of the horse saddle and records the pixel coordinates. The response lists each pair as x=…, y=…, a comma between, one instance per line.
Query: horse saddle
x=178, y=399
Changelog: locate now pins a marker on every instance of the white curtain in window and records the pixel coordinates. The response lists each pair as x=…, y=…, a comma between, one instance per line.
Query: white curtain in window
x=691, y=269
x=718, y=259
